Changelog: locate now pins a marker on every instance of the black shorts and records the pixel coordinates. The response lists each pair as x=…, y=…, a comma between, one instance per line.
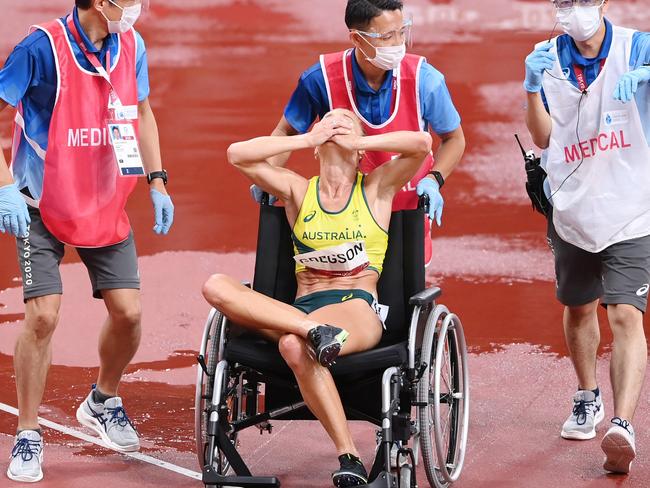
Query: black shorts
x=619, y=274
x=40, y=254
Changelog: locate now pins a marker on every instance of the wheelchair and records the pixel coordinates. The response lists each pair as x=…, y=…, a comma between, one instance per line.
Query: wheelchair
x=414, y=386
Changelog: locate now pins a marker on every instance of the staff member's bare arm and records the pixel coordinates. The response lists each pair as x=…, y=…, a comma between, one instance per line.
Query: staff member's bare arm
x=5, y=174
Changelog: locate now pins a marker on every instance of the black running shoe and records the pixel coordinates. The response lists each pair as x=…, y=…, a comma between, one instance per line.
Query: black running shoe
x=327, y=341
x=352, y=472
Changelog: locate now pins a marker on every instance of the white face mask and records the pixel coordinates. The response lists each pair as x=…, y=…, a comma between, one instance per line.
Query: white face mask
x=581, y=23
x=386, y=57
x=130, y=16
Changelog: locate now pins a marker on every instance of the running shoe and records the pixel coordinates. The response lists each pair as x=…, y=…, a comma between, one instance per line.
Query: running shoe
x=26, y=457
x=351, y=473
x=327, y=341
x=587, y=413
x=110, y=421
x=618, y=446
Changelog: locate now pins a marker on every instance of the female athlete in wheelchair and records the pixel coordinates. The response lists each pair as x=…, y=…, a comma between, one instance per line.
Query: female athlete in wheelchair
x=339, y=222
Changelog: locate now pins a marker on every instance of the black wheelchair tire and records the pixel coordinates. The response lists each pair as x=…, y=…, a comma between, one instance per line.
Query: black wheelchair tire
x=443, y=452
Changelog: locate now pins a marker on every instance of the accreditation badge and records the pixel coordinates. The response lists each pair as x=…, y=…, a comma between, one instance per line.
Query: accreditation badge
x=125, y=142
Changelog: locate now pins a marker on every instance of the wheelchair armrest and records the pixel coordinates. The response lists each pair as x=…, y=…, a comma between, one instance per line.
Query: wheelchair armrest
x=425, y=297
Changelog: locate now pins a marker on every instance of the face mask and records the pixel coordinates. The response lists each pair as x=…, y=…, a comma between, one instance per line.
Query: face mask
x=581, y=23
x=386, y=57
x=130, y=16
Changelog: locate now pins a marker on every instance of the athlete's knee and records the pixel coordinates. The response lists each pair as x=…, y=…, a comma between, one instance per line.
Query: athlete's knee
x=217, y=289
x=624, y=318
x=41, y=317
x=293, y=350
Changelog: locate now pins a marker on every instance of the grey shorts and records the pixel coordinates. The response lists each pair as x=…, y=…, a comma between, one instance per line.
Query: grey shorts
x=40, y=254
x=619, y=274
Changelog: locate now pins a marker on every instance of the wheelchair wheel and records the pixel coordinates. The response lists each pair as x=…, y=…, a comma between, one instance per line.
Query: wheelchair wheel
x=444, y=388
x=209, y=349
x=228, y=399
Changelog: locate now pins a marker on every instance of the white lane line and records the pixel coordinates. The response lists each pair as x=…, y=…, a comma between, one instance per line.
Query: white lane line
x=94, y=440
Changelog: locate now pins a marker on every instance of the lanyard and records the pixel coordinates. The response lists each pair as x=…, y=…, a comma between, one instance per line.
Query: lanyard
x=114, y=100
x=580, y=74
x=352, y=83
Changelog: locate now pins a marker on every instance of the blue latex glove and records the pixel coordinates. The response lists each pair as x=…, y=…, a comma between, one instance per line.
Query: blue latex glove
x=163, y=210
x=14, y=215
x=436, y=203
x=536, y=63
x=256, y=193
x=629, y=83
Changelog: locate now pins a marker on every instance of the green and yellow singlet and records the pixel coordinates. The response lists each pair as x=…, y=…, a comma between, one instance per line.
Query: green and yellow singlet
x=338, y=243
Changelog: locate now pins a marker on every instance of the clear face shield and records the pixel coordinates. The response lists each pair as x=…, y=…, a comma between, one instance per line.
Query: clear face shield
x=567, y=4
x=390, y=38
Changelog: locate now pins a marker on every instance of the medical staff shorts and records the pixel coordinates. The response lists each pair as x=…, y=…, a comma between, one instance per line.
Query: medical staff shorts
x=40, y=254
x=619, y=274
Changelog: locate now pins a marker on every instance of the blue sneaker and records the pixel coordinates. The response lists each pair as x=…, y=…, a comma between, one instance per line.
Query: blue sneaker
x=26, y=458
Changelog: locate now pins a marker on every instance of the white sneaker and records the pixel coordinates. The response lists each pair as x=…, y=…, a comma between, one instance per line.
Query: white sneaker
x=110, y=421
x=26, y=458
x=618, y=446
x=587, y=413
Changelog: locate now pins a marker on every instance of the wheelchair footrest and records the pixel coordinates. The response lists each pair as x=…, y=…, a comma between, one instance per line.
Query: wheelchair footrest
x=383, y=480
x=212, y=478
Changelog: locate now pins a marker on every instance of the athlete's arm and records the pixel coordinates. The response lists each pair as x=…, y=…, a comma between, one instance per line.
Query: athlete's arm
x=538, y=120
x=283, y=129
x=251, y=157
x=388, y=178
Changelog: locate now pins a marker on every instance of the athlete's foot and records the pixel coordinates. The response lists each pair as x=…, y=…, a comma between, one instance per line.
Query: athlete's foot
x=26, y=457
x=327, y=342
x=351, y=472
x=618, y=446
x=110, y=422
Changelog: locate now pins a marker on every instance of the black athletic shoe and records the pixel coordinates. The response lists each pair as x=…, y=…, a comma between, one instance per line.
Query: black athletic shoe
x=327, y=341
x=352, y=472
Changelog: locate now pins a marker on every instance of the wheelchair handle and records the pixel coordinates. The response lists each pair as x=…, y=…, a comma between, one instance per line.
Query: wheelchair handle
x=423, y=202
x=265, y=199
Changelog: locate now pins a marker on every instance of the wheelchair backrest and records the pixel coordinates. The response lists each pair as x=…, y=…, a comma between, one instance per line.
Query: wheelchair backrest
x=402, y=276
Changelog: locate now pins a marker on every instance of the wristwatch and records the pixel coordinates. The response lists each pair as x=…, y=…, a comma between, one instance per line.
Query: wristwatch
x=157, y=174
x=438, y=176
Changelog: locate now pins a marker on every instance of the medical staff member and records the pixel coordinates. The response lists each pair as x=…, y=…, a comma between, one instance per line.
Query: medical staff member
x=68, y=79
x=588, y=107
x=389, y=90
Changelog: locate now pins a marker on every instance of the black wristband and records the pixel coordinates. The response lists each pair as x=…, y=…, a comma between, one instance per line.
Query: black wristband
x=157, y=174
x=438, y=176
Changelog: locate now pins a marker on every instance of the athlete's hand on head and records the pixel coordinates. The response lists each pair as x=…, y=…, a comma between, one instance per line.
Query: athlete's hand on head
x=14, y=215
x=628, y=84
x=431, y=188
x=327, y=128
x=537, y=62
x=349, y=142
x=163, y=211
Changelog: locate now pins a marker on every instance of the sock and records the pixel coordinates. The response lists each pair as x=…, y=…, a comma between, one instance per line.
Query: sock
x=39, y=430
x=99, y=397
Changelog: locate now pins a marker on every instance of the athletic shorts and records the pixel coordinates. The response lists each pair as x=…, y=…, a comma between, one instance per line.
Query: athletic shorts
x=619, y=274
x=312, y=302
x=40, y=254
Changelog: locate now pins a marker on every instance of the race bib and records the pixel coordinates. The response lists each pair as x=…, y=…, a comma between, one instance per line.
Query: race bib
x=343, y=260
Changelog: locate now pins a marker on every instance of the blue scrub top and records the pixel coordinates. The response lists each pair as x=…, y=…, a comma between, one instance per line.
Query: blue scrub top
x=29, y=76
x=309, y=100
